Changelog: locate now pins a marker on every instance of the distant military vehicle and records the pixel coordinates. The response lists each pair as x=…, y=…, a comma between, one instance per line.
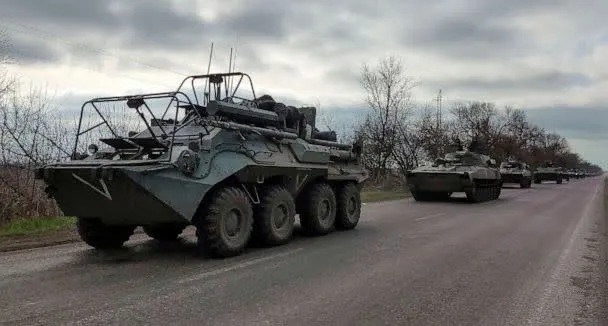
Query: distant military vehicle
x=548, y=172
x=235, y=167
x=462, y=171
x=513, y=171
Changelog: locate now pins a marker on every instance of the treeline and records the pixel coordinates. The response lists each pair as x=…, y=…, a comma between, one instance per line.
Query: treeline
x=397, y=135
x=31, y=134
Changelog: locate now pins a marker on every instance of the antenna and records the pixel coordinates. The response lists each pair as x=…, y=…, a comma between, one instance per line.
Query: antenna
x=206, y=93
x=227, y=81
x=236, y=45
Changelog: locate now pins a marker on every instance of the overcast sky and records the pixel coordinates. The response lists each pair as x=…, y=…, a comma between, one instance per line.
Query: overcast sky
x=549, y=57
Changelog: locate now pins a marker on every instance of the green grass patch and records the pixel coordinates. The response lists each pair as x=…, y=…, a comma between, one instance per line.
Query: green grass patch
x=369, y=196
x=36, y=225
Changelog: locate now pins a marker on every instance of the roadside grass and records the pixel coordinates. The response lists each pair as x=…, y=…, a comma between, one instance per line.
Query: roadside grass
x=36, y=225
x=375, y=195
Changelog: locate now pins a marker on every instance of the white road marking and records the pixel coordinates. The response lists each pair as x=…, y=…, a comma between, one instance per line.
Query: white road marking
x=428, y=216
x=237, y=266
x=105, y=192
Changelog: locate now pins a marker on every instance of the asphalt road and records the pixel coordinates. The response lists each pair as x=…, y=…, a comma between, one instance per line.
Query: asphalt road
x=536, y=257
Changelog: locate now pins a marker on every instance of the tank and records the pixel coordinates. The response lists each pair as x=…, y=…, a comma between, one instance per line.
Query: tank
x=548, y=172
x=513, y=171
x=211, y=155
x=461, y=171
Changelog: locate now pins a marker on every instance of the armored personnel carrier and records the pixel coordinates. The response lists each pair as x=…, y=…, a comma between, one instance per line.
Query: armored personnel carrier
x=513, y=171
x=462, y=171
x=210, y=154
x=548, y=172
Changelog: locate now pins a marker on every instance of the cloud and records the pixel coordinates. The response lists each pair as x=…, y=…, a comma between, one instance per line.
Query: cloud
x=531, y=54
x=542, y=81
x=29, y=51
x=573, y=122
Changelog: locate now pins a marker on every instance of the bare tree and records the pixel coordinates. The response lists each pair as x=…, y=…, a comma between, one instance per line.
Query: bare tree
x=387, y=94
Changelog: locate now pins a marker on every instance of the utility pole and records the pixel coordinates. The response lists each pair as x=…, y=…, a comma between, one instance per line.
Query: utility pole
x=438, y=100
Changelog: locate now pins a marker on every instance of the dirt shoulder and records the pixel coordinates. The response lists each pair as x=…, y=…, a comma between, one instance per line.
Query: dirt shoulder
x=32, y=235
x=43, y=239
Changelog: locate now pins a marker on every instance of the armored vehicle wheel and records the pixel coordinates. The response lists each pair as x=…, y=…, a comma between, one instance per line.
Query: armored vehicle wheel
x=274, y=216
x=225, y=227
x=525, y=183
x=318, y=209
x=164, y=232
x=559, y=181
x=497, y=190
x=537, y=180
x=421, y=196
x=102, y=236
x=348, y=210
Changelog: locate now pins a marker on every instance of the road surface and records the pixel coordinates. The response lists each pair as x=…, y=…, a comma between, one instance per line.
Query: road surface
x=534, y=257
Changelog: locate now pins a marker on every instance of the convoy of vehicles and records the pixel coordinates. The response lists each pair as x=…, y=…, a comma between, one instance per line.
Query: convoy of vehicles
x=237, y=167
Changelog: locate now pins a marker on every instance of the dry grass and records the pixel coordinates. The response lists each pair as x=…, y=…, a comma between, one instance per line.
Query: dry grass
x=374, y=195
x=36, y=225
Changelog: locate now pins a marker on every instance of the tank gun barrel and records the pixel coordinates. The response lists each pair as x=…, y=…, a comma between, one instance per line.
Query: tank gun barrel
x=329, y=143
x=262, y=131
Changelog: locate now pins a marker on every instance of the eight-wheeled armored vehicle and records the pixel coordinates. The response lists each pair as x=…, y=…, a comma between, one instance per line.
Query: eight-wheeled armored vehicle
x=462, y=171
x=212, y=155
x=548, y=172
x=513, y=171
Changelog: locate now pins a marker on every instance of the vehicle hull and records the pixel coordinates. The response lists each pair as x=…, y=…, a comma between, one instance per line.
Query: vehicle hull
x=513, y=177
x=124, y=195
x=547, y=176
x=439, y=182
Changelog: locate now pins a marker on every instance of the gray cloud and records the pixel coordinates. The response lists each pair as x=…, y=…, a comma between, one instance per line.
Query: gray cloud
x=137, y=23
x=548, y=80
x=29, y=51
x=573, y=122
x=548, y=41
x=463, y=36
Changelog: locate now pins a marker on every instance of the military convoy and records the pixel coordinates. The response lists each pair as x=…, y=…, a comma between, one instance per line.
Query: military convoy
x=461, y=171
x=513, y=171
x=235, y=167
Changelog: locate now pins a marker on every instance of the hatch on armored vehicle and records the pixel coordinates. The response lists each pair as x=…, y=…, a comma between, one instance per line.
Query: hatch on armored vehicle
x=516, y=172
x=212, y=155
x=462, y=171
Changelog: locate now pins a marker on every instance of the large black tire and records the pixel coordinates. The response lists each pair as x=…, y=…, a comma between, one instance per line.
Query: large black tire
x=537, y=180
x=348, y=212
x=165, y=232
x=559, y=181
x=102, y=236
x=421, y=195
x=497, y=190
x=225, y=227
x=318, y=209
x=274, y=216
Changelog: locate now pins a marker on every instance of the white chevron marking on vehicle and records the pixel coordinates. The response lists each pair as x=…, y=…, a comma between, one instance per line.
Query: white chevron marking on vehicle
x=105, y=192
